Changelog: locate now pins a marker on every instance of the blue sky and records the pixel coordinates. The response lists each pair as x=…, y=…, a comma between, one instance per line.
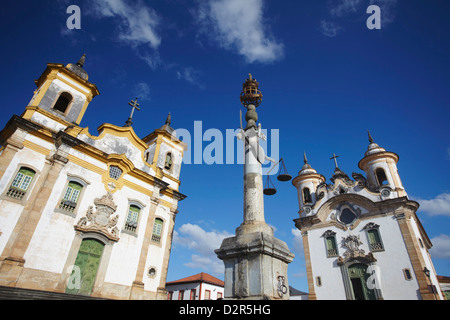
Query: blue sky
x=326, y=79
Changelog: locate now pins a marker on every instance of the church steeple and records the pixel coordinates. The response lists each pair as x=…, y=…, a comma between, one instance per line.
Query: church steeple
x=63, y=95
x=380, y=167
x=306, y=183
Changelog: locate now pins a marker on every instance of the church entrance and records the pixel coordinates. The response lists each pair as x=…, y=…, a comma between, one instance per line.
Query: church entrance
x=86, y=267
x=358, y=279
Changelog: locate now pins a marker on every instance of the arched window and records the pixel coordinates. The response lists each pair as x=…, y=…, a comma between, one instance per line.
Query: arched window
x=381, y=177
x=21, y=183
x=157, y=230
x=71, y=196
x=132, y=218
x=306, y=195
x=63, y=102
x=168, y=162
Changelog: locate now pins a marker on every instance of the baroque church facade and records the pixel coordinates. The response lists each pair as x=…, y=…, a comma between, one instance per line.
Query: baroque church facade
x=84, y=214
x=362, y=238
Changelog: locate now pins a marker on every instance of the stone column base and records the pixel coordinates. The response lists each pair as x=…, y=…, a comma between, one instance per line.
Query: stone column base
x=255, y=266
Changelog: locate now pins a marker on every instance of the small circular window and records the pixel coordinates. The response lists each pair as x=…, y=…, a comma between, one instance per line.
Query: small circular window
x=347, y=216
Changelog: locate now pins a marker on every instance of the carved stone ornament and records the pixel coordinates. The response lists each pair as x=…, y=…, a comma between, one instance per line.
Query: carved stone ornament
x=352, y=244
x=101, y=221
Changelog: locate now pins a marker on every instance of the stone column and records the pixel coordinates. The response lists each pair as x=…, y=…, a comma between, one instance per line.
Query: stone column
x=255, y=261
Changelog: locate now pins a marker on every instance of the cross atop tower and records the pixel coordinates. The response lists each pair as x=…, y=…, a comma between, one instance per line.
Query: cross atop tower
x=335, y=161
x=134, y=106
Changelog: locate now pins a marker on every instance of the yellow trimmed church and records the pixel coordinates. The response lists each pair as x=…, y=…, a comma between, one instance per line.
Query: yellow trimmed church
x=82, y=214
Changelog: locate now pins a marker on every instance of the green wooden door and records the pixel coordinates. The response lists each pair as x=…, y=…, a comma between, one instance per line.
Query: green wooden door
x=358, y=279
x=86, y=265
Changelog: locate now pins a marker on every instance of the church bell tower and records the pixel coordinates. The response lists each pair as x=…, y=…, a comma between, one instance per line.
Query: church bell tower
x=62, y=96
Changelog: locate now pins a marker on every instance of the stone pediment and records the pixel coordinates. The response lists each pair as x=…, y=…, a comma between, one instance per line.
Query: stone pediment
x=101, y=220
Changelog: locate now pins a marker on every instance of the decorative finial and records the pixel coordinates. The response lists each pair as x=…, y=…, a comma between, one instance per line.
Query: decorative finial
x=134, y=105
x=370, y=137
x=251, y=95
x=80, y=62
x=305, y=160
x=169, y=119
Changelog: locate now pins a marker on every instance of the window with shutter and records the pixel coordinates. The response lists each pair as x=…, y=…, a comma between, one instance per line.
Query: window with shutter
x=71, y=196
x=157, y=230
x=21, y=183
x=132, y=218
x=331, y=247
x=375, y=240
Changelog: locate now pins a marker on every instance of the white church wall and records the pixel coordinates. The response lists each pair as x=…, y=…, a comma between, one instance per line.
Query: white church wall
x=331, y=287
x=126, y=252
x=10, y=211
x=390, y=263
x=155, y=256
x=52, y=240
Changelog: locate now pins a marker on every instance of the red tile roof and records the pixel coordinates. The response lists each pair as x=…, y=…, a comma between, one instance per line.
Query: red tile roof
x=201, y=277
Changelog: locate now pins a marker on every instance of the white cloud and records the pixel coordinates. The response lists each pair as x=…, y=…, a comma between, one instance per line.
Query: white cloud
x=190, y=75
x=439, y=206
x=297, y=243
x=138, y=22
x=441, y=247
x=203, y=244
x=216, y=266
x=329, y=28
x=340, y=8
x=387, y=8
x=137, y=26
x=142, y=91
x=239, y=26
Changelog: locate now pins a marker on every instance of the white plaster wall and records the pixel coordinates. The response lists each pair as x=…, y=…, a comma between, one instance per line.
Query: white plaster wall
x=125, y=254
x=47, y=122
x=332, y=284
x=390, y=262
x=51, y=242
x=117, y=145
x=155, y=257
x=187, y=287
x=9, y=211
x=214, y=290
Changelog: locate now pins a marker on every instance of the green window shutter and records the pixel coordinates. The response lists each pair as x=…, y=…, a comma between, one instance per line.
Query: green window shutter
x=374, y=237
x=331, y=244
x=375, y=240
